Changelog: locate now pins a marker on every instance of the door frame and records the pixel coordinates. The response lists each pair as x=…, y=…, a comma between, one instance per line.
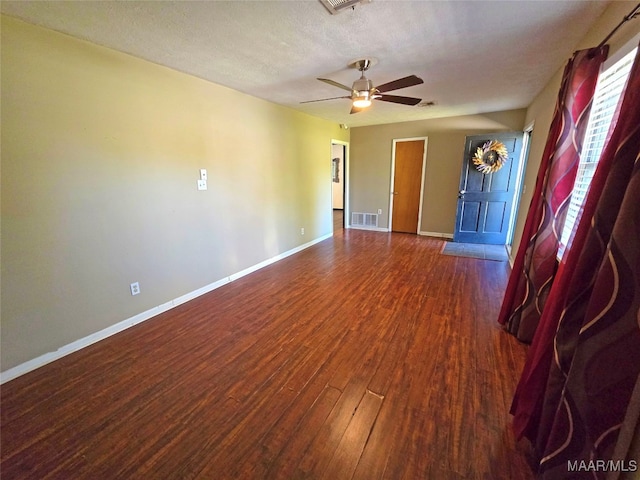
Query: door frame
x=393, y=174
x=524, y=157
x=345, y=176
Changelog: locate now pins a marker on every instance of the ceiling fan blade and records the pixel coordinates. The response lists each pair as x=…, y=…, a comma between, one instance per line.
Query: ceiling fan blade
x=405, y=82
x=324, y=99
x=335, y=84
x=355, y=110
x=399, y=99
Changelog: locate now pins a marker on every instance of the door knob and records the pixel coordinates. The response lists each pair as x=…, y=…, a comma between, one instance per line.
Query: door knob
x=394, y=193
x=461, y=193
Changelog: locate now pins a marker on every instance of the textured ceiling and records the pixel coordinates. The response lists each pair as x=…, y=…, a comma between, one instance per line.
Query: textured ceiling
x=474, y=56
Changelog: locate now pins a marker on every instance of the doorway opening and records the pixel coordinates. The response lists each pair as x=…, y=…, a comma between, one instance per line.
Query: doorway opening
x=339, y=184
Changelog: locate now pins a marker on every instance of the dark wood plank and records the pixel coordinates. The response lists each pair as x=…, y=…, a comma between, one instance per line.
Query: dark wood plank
x=369, y=355
x=288, y=446
x=346, y=456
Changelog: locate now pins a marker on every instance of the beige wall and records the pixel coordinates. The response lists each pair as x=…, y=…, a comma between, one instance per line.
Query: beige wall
x=540, y=112
x=370, y=163
x=100, y=157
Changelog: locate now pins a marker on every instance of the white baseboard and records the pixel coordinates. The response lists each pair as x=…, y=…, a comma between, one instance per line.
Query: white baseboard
x=437, y=234
x=373, y=229
x=381, y=229
x=49, y=357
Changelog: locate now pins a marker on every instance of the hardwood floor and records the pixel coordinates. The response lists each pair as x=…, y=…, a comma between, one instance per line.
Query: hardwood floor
x=338, y=219
x=367, y=356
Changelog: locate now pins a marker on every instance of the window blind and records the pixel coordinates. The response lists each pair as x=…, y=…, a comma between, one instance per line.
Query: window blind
x=605, y=100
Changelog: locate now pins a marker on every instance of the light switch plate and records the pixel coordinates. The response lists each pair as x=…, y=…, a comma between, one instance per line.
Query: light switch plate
x=203, y=174
x=202, y=184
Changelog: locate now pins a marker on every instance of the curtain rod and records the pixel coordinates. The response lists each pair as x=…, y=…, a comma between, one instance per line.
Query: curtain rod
x=634, y=13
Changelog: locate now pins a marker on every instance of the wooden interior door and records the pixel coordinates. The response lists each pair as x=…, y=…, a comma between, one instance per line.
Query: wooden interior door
x=407, y=185
x=485, y=202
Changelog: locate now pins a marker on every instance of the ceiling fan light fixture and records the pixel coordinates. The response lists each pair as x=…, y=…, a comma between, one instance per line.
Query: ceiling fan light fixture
x=362, y=99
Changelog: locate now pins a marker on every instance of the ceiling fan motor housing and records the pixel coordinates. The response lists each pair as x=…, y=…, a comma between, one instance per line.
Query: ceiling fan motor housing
x=362, y=87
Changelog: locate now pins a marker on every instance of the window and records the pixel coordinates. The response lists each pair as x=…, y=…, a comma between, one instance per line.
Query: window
x=605, y=100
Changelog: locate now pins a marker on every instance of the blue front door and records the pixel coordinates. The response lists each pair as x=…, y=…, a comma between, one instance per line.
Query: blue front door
x=485, y=200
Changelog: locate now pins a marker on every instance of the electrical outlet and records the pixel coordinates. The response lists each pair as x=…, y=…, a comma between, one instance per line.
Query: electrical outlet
x=135, y=288
x=302, y=231
x=202, y=184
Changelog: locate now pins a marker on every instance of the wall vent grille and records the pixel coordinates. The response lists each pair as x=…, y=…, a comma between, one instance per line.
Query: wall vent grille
x=364, y=219
x=336, y=6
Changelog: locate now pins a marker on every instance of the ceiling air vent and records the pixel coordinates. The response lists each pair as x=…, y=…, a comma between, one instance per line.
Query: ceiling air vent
x=336, y=6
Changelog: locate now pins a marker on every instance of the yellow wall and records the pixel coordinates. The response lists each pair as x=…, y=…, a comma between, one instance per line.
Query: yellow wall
x=370, y=163
x=540, y=112
x=101, y=152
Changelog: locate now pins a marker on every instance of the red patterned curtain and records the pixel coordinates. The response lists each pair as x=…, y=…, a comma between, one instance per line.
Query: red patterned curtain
x=596, y=361
x=535, y=264
x=576, y=393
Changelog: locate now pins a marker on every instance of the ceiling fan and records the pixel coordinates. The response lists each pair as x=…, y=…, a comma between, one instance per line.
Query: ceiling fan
x=363, y=91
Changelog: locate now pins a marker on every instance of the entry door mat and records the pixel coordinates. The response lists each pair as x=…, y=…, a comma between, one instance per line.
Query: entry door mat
x=475, y=250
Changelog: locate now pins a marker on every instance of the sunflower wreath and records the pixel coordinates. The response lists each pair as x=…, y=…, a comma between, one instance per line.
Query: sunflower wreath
x=490, y=157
